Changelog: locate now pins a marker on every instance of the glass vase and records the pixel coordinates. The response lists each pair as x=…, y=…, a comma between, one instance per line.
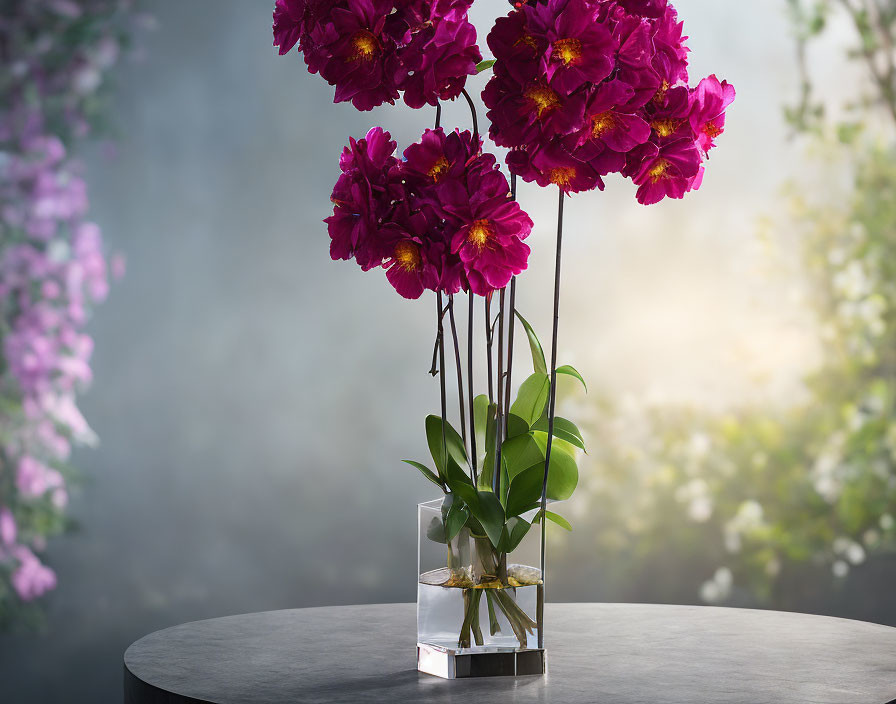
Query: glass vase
x=478, y=610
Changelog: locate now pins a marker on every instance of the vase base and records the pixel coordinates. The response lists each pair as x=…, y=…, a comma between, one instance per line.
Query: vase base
x=453, y=664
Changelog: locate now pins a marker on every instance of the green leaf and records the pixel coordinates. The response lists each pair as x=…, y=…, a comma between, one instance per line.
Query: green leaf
x=514, y=531
x=436, y=531
x=555, y=517
x=563, y=429
x=563, y=475
x=532, y=396
x=453, y=442
x=487, y=470
x=520, y=453
x=516, y=426
x=426, y=471
x=491, y=426
x=525, y=489
x=572, y=371
x=457, y=517
x=484, y=65
x=460, y=485
x=538, y=363
x=480, y=417
x=490, y=514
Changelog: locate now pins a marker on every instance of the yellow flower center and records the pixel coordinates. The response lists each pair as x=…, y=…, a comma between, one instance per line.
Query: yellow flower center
x=711, y=131
x=602, y=123
x=364, y=46
x=479, y=233
x=439, y=169
x=664, y=128
x=562, y=175
x=542, y=97
x=407, y=254
x=659, y=170
x=661, y=93
x=567, y=50
x=527, y=40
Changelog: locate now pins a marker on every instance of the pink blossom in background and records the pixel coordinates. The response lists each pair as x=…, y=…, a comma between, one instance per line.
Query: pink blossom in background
x=31, y=579
x=53, y=267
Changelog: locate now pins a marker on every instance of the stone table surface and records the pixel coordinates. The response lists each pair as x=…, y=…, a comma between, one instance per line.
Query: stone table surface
x=597, y=654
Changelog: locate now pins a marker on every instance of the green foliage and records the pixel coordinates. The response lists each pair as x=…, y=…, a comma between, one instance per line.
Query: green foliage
x=783, y=501
x=538, y=363
x=532, y=397
x=523, y=456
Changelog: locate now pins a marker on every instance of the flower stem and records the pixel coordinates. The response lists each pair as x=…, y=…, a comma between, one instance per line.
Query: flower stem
x=552, y=400
x=473, y=114
x=470, y=388
x=509, y=373
x=499, y=418
x=488, y=346
x=511, y=324
x=441, y=338
x=438, y=115
x=457, y=364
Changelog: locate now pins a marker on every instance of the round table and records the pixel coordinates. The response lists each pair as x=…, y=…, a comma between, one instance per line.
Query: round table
x=597, y=653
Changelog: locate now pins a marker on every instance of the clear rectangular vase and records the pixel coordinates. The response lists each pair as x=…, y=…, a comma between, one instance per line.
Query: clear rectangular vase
x=479, y=611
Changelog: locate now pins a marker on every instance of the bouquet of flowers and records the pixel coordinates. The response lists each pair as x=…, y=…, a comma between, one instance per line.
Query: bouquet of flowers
x=579, y=89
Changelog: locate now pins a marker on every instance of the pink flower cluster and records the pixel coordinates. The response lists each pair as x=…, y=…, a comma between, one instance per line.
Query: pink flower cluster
x=584, y=88
x=51, y=269
x=441, y=219
x=375, y=50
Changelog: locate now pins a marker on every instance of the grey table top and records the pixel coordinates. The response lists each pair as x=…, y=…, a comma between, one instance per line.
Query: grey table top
x=597, y=654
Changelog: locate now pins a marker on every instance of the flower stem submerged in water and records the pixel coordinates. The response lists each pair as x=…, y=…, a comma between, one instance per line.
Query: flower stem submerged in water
x=452, y=615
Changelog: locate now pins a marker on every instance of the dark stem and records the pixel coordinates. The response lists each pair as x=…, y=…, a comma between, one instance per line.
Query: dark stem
x=438, y=115
x=473, y=113
x=441, y=338
x=552, y=399
x=499, y=419
x=511, y=325
x=457, y=364
x=488, y=347
x=470, y=388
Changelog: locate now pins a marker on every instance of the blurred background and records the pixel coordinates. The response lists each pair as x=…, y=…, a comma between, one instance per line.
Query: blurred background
x=252, y=398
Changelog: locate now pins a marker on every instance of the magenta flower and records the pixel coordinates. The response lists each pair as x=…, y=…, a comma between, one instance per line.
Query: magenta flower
x=707, y=114
x=437, y=61
x=440, y=220
x=373, y=50
x=362, y=197
x=671, y=58
x=413, y=263
x=438, y=159
x=295, y=20
x=581, y=49
x=609, y=126
x=492, y=227
x=519, y=50
x=529, y=115
x=671, y=170
x=360, y=56
x=554, y=165
x=644, y=8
